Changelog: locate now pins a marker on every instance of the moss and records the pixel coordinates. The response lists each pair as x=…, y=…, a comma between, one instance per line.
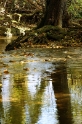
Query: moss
x=56, y=37
x=49, y=28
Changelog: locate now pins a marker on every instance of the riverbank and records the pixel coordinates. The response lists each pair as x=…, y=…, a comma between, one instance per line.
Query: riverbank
x=49, y=37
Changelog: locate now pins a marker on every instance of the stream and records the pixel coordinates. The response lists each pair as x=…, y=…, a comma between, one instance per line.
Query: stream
x=40, y=85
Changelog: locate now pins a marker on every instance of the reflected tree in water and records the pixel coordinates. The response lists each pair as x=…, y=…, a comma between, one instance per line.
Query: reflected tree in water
x=62, y=94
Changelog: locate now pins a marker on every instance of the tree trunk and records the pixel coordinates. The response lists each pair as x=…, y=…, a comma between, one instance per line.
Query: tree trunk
x=54, y=13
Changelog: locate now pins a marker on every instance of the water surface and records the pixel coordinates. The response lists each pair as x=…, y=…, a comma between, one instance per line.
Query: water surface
x=40, y=86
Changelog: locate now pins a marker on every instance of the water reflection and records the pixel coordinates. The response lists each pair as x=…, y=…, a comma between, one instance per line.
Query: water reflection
x=2, y=45
x=62, y=94
x=4, y=41
x=40, y=92
x=75, y=86
x=27, y=97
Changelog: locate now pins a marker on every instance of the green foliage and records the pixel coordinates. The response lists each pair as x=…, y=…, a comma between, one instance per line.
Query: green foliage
x=76, y=8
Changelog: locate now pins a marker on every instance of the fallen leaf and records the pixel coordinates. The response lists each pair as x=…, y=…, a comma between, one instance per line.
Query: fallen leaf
x=26, y=69
x=11, y=61
x=6, y=71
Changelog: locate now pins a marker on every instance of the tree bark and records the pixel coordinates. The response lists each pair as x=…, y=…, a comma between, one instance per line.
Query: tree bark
x=54, y=13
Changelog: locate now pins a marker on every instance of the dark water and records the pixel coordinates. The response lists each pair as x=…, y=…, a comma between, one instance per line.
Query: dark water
x=40, y=86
